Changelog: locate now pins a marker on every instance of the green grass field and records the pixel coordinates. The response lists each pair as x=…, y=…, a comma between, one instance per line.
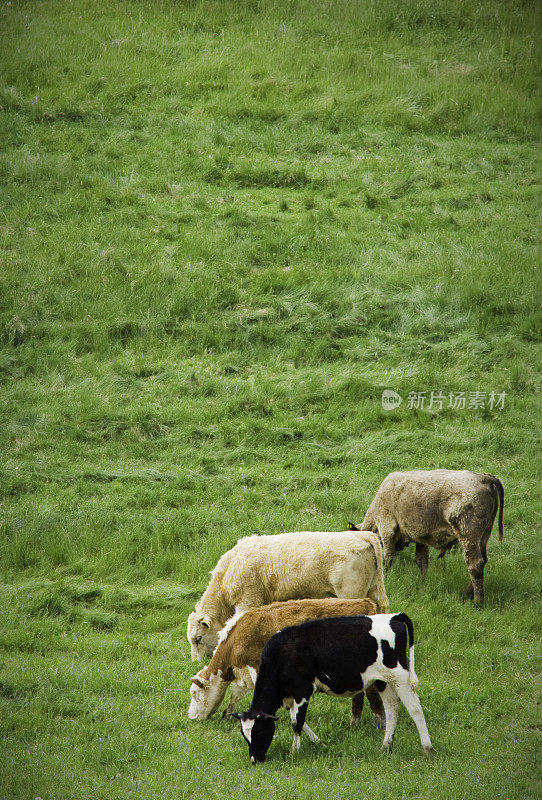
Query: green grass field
x=226, y=228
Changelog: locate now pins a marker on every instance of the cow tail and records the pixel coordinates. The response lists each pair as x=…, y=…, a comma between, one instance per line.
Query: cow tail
x=413, y=678
x=496, y=485
x=500, y=490
x=376, y=543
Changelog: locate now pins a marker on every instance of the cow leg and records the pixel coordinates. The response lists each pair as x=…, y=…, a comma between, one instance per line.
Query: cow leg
x=310, y=733
x=375, y=701
x=357, y=708
x=414, y=708
x=238, y=691
x=298, y=712
x=472, y=554
x=422, y=558
x=390, y=699
x=483, y=544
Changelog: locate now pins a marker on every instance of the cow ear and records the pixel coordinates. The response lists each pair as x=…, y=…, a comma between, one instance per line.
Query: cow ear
x=352, y=527
x=198, y=681
x=237, y=715
x=266, y=716
x=205, y=622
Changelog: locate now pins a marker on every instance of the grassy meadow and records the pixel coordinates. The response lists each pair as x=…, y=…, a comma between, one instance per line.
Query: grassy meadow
x=225, y=229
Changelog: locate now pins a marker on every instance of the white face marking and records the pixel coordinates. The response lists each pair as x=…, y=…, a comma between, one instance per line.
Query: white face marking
x=247, y=725
x=207, y=698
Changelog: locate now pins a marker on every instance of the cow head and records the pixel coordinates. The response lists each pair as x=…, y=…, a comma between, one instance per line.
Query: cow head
x=202, y=635
x=206, y=694
x=258, y=729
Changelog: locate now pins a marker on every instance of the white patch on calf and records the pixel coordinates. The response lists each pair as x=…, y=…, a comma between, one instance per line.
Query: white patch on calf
x=295, y=708
x=412, y=675
x=246, y=727
x=381, y=629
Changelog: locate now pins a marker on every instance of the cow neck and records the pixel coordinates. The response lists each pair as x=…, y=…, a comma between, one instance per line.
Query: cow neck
x=215, y=608
x=267, y=697
x=220, y=663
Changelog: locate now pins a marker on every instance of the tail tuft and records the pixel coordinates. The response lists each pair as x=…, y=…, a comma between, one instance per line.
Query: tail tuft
x=413, y=678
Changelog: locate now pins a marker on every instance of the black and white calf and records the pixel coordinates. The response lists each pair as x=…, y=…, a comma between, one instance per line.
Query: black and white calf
x=340, y=656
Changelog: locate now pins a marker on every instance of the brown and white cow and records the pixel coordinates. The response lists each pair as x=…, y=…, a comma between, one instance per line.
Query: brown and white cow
x=237, y=656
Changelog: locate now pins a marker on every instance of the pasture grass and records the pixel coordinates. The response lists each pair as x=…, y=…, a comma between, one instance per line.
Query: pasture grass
x=225, y=229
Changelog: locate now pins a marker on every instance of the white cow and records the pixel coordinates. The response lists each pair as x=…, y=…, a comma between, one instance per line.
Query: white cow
x=286, y=566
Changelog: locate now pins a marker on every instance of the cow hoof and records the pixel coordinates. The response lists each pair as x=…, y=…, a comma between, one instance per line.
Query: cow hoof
x=386, y=748
x=378, y=721
x=428, y=750
x=226, y=714
x=354, y=721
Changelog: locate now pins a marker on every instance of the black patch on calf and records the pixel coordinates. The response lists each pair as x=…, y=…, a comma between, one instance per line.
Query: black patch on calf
x=389, y=656
x=398, y=626
x=351, y=637
x=380, y=685
x=312, y=650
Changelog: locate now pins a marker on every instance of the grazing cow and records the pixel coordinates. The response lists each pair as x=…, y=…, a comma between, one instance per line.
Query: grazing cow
x=438, y=508
x=339, y=656
x=237, y=656
x=286, y=566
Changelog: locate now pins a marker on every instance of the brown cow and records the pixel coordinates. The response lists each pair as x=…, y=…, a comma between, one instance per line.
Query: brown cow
x=236, y=659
